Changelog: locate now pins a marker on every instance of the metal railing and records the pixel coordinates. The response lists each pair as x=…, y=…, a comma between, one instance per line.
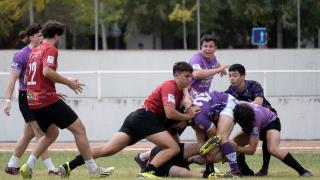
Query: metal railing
x=99, y=74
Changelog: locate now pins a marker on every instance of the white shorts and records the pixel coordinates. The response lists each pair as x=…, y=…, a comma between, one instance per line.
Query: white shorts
x=231, y=104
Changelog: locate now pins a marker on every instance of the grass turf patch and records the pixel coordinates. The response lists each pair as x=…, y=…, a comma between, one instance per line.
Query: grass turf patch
x=125, y=167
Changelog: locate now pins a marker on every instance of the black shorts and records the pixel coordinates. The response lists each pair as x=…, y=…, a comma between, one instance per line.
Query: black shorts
x=24, y=107
x=58, y=113
x=273, y=125
x=142, y=123
x=178, y=160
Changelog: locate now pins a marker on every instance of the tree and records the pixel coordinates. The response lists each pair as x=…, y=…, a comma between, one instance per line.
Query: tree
x=111, y=12
x=265, y=13
x=13, y=10
x=149, y=17
x=310, y=19
x=218, y=18
x=183, y=15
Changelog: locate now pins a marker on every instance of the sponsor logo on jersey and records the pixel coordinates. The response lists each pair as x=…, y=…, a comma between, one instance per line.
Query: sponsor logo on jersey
x=171, y=98
x=14, y=65
x=196, y=66
x=50, y=59
x=30, y=96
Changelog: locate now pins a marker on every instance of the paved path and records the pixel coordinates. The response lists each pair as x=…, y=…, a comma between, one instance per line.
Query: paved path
x=296, y=146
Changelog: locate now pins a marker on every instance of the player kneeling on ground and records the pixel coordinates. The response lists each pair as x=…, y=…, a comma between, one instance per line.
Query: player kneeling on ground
x=258, y=122
x=178, y=166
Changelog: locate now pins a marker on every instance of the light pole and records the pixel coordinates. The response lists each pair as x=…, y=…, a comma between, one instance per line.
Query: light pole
x=96, y=24
x=31, y=16
x=298, y=23
x=198, y=24
x=184, y=26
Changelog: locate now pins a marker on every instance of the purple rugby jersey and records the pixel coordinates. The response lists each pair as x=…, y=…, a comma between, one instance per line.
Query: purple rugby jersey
x=199, y=62
x=252, y=90
x=211, y=106
x=19, y=63
x=263, y=117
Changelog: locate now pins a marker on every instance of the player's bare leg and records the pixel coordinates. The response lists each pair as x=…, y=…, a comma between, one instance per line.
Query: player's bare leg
x=79, y=132
x=22, y=144
x=116, y=143
x=24, y=141
x=45, y=155
x=242, y=139
x=273, y=139
x=224, y=129
x=168, y=145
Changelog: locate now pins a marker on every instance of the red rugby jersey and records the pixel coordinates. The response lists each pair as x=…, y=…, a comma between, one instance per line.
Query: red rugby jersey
x=167, y=94
x=41, y=91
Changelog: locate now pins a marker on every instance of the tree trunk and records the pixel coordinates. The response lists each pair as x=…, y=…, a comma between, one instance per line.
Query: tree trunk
x=184, y=36
x=63, y=42
x=244, y=38
x=31, y=16
x=103, y=28
x=184, y=28
x=157, y=37
x=318, y=37
x=74, y=40
x=279, y=32
x=103, y=36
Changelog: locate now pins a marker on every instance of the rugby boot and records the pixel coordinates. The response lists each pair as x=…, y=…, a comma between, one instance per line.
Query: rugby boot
x=212, y=143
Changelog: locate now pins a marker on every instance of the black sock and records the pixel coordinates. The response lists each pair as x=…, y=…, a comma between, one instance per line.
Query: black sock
x=290, y=161
x=243, y=166
x=77, y=161
x=209, y=168
x=266, y=156
x=205, y=174
x=149, y=167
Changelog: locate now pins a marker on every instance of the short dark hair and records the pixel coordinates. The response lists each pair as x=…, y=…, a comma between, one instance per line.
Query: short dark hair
x=181, y=67
x=52, y=28
x=207, y=37
x=244, y=115
x=238, y=67
x=33, y=29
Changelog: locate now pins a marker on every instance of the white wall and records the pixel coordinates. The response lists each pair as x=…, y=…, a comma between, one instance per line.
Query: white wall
x=298, y=115
x=296, y=96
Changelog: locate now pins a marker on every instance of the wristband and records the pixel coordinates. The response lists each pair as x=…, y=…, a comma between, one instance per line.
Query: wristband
x=8, y=100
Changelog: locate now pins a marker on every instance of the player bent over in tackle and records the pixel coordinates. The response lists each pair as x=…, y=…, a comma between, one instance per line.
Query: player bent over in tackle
x=258, y=122
x=149, y=122
x=216, y=119
x=50, y=111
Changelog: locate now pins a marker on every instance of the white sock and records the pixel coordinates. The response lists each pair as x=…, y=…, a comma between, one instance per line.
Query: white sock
x=31, y=161
x=141, y=157
x=48, y=163
x=13, y=162
x=91, y=165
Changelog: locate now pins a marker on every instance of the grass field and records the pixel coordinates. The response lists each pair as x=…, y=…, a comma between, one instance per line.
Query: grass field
x=127, y=169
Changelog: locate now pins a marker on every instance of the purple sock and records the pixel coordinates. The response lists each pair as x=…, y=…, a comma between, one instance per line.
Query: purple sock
x=231, y=154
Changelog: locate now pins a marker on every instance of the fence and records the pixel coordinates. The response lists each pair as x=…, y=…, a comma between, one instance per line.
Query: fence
x=304, y=85
x=103, y=111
